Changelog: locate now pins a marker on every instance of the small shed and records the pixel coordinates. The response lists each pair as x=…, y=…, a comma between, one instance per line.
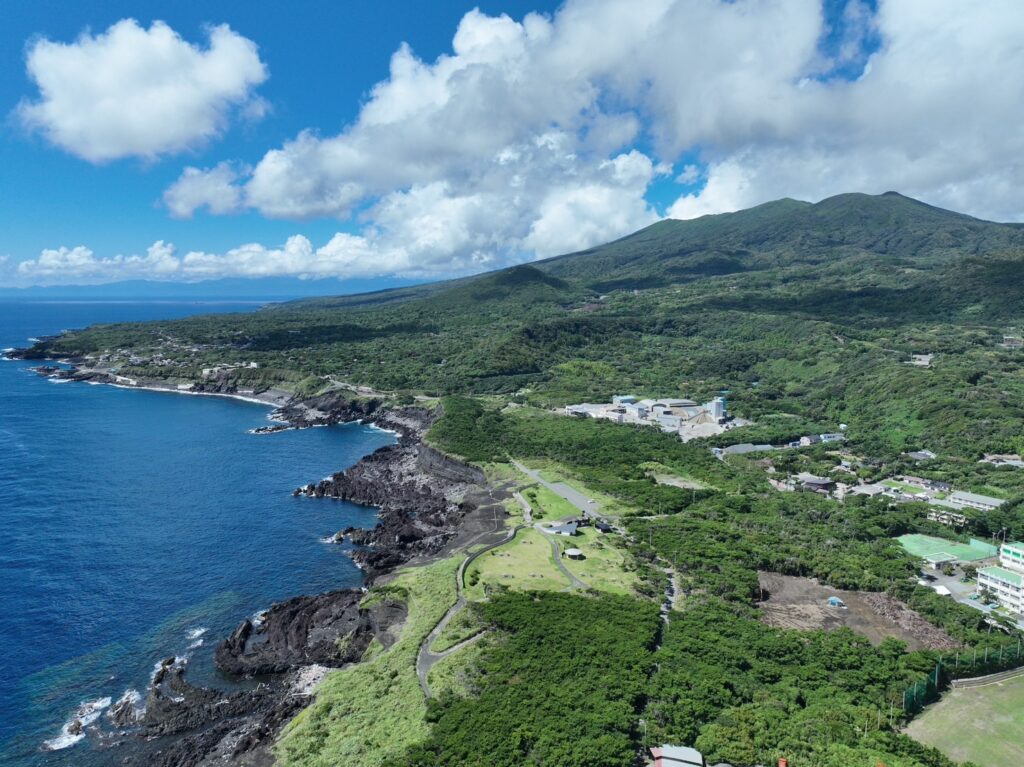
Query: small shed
x=603, y=526
x=562, y=528
x=677, y=756
x=573, y=554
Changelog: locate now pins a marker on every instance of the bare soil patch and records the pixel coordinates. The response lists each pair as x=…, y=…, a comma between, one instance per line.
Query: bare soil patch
x=802, y=603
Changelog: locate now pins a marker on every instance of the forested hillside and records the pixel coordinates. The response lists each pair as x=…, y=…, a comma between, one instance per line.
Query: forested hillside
x=805, y=317
x=795, y=308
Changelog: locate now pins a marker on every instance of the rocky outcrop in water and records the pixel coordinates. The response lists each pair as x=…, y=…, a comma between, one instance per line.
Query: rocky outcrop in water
x=329, y=629
x=329, y=408
x=422, y=497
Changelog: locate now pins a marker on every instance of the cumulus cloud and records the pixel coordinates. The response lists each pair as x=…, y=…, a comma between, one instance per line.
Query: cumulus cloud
x=81, y=265
x=136, y=92
x=544, y=135
x=212, y=188
x=503, y=149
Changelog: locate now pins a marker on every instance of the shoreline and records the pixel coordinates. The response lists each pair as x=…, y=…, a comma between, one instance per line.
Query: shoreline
x=422, y=499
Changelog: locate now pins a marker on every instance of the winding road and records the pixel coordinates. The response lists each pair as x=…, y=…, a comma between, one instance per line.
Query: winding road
x=426, y=659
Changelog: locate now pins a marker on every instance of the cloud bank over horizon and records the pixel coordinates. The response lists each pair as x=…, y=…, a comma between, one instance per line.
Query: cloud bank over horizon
x=549, y=134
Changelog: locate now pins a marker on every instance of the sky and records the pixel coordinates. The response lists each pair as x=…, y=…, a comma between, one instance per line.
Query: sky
x=375, y=143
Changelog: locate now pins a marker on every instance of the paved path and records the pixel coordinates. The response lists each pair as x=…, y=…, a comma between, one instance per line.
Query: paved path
x=527, y=510
x=556, y=552
x=425, y=658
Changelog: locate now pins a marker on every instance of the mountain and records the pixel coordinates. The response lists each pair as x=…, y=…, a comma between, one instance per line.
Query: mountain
x=896, y=230
x=794, y=307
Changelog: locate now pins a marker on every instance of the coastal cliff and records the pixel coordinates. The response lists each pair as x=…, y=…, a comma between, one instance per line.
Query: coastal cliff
x=280, y=656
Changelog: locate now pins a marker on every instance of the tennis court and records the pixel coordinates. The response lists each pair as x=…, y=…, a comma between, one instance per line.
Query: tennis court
x=927, y=545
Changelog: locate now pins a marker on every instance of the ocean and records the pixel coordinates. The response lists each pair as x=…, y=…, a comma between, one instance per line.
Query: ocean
x=136, y=525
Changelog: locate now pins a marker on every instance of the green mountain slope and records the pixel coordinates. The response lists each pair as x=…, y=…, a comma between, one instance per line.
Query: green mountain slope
x=808, y=309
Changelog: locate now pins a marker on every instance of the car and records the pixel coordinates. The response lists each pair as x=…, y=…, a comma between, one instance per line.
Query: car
x=974, y=597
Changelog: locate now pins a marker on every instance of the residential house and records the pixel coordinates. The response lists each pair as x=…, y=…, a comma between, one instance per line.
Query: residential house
x=810, y=439
x=832, y=437
x=815, y=484
x=870, y=490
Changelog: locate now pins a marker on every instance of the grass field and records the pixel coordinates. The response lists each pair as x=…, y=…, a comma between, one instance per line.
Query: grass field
x=902, y=486
x=524, y=563
x=984, y=725
x=368, y=714
x=606, y=565
x=456, y=673
x=547, y=505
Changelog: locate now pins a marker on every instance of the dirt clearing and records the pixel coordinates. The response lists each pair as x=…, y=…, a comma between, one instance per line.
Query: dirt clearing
x=802, y=603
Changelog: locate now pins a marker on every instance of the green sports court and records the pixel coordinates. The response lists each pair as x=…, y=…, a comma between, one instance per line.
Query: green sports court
x=928, y=545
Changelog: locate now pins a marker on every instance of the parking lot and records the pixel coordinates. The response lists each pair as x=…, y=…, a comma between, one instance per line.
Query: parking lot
x=962, y=592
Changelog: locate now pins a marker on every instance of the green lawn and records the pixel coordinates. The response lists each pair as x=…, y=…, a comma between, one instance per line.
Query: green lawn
x=548, y=505
x=523, y=563
x=902, y=486
x=606, y=565
x=984, y=725
x=462, y=626
x=368, y=714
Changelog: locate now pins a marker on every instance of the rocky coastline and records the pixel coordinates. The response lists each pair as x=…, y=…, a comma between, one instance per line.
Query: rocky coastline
x=423, y=497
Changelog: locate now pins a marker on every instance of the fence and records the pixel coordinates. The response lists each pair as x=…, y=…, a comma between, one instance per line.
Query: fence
x=961, y=665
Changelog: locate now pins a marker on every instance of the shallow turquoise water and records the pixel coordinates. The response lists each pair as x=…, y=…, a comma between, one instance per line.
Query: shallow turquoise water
x=137, y=525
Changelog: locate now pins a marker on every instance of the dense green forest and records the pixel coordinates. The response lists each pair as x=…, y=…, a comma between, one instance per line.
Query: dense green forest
x=805, y=317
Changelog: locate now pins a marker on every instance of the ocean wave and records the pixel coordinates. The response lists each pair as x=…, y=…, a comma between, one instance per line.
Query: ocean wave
x=74, y=729
x=258, y=617
x=196, y=637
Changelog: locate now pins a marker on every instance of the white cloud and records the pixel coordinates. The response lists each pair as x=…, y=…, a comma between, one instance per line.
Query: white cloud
x=80, y=265
x=525, y=140
x=929, y=117
x=213, y=189
x=135, y=92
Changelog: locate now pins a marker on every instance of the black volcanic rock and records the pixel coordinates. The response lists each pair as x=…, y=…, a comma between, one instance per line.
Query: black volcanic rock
x=326, y=629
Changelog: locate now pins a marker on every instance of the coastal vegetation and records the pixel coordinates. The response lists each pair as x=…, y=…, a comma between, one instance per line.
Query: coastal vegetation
x=804, y=317
x=370, y=712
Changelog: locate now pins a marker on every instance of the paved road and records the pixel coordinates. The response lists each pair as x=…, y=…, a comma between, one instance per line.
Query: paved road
x=571, y=494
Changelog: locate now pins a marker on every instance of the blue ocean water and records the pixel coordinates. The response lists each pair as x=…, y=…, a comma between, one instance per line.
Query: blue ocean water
x=136, y=525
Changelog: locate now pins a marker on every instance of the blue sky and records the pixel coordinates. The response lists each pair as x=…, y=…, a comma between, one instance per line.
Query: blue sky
x=504, y=131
